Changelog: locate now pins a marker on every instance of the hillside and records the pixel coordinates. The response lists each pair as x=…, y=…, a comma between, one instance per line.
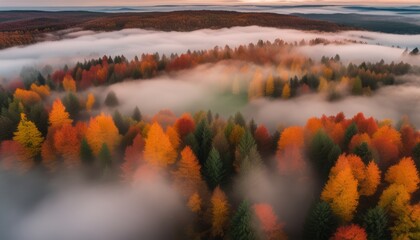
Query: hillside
x=26, y=27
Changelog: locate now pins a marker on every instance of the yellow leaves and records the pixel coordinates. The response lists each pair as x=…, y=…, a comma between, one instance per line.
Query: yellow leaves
x=370, y=184
x=102, y=130
x=341, y=193
x=194, y=203
x=58, y=115
x=256, y=86
x=219, y=212
x=28, y=136
x=396, y=199
x=89, y=102
x=69, y=84
x=408, y=225
x=43, y=91
x=404, y=173
x=159, y=150
x=285, y=94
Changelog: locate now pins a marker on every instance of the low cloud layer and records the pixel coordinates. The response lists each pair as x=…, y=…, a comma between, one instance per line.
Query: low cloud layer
x=130, y=42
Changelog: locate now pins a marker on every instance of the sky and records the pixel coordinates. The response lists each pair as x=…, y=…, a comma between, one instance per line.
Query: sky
x=22, y=3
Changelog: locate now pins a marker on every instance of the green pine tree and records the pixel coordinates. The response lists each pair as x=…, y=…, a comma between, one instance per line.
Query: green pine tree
x=86, y=154
x=137, y=114
x=214, y=170
x=348, y=135
x=320, y=223
x=363, y=152
x=241, y=228
x=375, y=221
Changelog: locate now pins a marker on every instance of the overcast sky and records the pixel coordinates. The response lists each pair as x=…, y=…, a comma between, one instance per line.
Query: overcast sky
x=21, y=3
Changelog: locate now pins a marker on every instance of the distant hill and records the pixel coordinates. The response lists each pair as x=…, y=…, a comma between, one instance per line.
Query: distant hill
x=26, y=27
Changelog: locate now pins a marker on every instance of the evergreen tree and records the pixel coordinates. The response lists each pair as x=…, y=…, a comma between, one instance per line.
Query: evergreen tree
x=363, y=152
x=348, y=135
x=86, y=153
x=137, y=114
x=319, y=152
x=375, y=222
x=320, y=223
x=121, y=123
x=252, y=126
x=203, y=137
x=357, y=86
x=239, y=119
x=111, y=99
x=72, y=104
x=241, y=228
x=214, y=170
x=105, y=159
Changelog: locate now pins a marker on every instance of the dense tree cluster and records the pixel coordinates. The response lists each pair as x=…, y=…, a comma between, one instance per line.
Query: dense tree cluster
x=366, y=170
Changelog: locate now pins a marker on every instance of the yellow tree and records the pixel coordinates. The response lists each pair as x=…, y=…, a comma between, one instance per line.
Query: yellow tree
x=58, y=115
x=28, y=136
x=219, y=212
x=43, y=91
x=269, y=86
x=285, y=94
x=396, y=199
x=188, y=176
x=89, y=102
x=404, y=173
x=102, y=130
x=69, y=84
x=158, y=150
x=341, y=193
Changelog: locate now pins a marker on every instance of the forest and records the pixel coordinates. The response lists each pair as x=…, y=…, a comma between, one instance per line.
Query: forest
x=334, y=177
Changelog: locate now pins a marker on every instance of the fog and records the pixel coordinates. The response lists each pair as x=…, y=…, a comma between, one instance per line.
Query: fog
x=68, y=208
x=77, y=46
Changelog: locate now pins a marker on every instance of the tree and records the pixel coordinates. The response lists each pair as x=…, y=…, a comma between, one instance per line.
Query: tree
x=363, y=152
x=204, y=137
x=67, y=144
x=387, y=142
x=188, y=175
x=121, y=122
x=28, y=136
x=173, y=136
x=351, y=232
x=416, y=155
x=185, y=125
x=348, y=134
x=158, y=150
x=375, y=221
x=286, y=91
x=58, y=115
x=111, y=99
x=72, y=104
x=320, y=223
x=219, y=212
x=371, y=181
x=268, y=223
x=105, y=159
x=86, y=153
x=357, y=88
x=13, y=156
x=241, y=227
x=269, y=86
x=90, y=102
x=102, y=130
x=133, y=157
x=214, y=170
x=195, y=202
x=341, y=193
x=404, y=173
x=137, y=114
x=289, y=152
x=69, y=84
x=395, y=199
x=322, y=148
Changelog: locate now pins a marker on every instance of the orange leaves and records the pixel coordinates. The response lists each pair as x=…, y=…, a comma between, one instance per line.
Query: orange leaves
x=351, y=232
x=102, y=130
x=28, y=97
x=43, y=91
x=89, y=102
x=67, y=143
x=387, y=142
x=289, y=153
x=219, y=212
x=69, y=84
x=159, y=150
x=188, y=176
x=404, y=173
x=194, y=203
x=372, y=180
x=268, y=222
x=58, y=115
